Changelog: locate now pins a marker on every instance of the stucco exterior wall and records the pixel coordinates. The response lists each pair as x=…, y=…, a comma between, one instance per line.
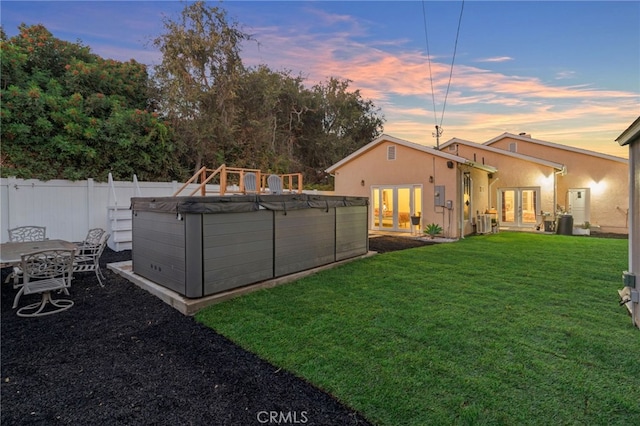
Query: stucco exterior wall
x=606, y=179
x=514, y=173
x=372, y=168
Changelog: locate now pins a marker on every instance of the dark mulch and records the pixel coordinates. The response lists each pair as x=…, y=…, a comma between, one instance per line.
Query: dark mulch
x=122, y=356
x=386, y=243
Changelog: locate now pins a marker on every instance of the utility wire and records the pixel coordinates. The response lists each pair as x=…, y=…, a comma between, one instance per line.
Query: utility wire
x=426, y=38
x=455, y=49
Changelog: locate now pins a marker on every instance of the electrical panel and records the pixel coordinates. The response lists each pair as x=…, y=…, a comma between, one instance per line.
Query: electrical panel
x=629, y=279
x=439, y=196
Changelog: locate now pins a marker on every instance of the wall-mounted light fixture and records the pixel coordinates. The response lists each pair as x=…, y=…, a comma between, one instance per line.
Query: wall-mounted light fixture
x=430, y=179
x=362, y=182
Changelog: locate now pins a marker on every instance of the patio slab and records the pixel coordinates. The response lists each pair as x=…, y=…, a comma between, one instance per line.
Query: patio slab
x=188, y=306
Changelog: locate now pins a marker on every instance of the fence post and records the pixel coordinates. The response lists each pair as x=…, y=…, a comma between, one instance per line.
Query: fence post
x=89, y=203
x=12, y=188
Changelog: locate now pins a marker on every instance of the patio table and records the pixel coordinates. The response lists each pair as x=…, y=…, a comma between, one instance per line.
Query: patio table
x=10, y=252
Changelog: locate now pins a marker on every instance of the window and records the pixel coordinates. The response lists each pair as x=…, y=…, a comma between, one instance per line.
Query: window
x=391, y=152
x=466, y=189
x=513, y=147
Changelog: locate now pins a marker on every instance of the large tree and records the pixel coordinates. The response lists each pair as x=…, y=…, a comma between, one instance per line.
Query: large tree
x=68, y=114
x=257, y=118
x=198, y=81
x=336, y=123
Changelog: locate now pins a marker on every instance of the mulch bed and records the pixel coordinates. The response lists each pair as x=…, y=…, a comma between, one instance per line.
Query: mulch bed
x=122, y=356
x=386, y=243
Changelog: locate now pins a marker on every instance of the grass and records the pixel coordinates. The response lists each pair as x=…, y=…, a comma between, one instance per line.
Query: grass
x=510, y=328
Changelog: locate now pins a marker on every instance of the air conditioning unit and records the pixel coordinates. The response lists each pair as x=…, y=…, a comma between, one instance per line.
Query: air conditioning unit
x=483, y=224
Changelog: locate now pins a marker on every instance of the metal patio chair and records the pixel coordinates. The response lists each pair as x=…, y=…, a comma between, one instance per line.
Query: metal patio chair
x=93, y=238
x=43, y=272
x=24, y=234
x=275, y=184
x=88, y=259
x=27, y=233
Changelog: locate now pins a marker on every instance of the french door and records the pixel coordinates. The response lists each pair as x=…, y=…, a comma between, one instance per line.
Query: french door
x=518, y=206
x=393, y=206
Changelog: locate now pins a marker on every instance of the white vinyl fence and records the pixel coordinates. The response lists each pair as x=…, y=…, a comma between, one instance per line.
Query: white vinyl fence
x=69, y=209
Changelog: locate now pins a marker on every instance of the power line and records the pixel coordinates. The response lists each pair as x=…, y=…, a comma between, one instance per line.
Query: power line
x=438, y=131
x=455, y=49
x=426, y=37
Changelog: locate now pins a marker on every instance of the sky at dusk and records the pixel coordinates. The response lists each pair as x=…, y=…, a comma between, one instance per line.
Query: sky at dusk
x=564, y=72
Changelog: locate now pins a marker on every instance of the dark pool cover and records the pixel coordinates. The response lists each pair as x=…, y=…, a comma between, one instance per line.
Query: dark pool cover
x=243, y=203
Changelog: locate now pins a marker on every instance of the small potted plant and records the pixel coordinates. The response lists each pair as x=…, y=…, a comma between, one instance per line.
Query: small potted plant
x=432, y=230
x=584, y=229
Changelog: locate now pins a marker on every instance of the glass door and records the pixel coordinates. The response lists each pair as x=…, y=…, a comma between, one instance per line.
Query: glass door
x=518, y=206
x=393, y=207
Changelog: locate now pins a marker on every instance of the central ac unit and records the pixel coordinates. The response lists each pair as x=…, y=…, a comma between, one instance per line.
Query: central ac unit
x=483, y=224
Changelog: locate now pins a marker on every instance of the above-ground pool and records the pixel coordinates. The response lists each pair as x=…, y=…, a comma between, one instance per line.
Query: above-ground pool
x=199, y=246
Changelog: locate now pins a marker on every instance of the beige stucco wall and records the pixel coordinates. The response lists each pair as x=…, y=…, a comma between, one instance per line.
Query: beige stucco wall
x=514, y=173
x=606, y=179
x=411, y=166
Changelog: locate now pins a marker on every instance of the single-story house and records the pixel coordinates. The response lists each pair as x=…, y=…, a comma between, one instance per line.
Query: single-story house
x=411, y=182
x=631, y=280
x=517, y=181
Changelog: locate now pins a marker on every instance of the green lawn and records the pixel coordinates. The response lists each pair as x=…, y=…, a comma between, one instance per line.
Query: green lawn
x=510, y=328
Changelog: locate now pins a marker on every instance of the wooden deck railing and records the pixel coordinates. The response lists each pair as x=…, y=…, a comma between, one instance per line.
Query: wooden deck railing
x=291, y=182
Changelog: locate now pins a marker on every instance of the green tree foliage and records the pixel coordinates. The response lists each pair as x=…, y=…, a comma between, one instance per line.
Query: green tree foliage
x=198, y=81
x=338, y=123
x=69, y=114
x=257, y=118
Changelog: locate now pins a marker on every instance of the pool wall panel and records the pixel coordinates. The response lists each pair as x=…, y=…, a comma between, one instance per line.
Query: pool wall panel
x=237, y=249
x=159, y=253
x=352, y=234
x=304, y=239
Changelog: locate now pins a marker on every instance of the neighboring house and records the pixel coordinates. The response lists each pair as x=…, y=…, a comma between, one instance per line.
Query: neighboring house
x=519, y=181
x=591, y=187
x=405, y=180
x=631, y=137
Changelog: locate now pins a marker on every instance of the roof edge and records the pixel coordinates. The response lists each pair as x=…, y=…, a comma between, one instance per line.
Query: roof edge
x=388, y=138
x=552, y=164
x=631, y=133
x=558, y=146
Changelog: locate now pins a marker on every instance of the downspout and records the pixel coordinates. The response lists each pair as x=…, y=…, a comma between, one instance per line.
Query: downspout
x=563, y=172
x=460, y=202
x=497, y=179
